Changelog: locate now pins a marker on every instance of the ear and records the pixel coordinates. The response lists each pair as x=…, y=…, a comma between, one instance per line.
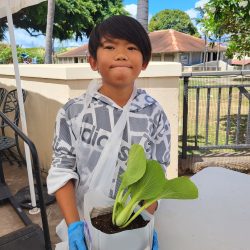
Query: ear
x=93, y=63
x=144, y=65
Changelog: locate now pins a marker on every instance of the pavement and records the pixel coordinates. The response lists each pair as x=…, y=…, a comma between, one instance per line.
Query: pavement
x=16, y=178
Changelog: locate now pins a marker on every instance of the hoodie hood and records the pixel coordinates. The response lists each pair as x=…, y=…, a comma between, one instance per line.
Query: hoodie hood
x=140, y=101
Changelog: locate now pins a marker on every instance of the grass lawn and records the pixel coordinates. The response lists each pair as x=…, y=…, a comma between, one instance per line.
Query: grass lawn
x=221, y=123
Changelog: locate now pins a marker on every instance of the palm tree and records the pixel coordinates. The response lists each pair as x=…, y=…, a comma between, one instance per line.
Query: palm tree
x=218, y=55
x=142, y=13
x=205, y=53
x=49, y=31
x=199, y=21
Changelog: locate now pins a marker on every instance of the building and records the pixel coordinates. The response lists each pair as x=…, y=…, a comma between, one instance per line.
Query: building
x=241, y=64
x=167, y=45
x=174, y=46
x=76, y=55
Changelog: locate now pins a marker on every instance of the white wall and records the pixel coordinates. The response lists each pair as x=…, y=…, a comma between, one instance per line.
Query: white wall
x=50, y=86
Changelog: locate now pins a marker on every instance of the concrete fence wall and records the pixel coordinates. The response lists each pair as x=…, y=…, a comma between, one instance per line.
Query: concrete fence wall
x=50, y=86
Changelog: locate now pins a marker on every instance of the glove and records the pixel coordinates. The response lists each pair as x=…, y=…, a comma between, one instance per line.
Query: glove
x=155, y=242
x=76, y=236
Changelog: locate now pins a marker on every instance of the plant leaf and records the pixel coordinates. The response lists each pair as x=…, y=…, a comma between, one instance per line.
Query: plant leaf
x=152, y=183
x=136, y=166
x=179, y=188
x=145, y=180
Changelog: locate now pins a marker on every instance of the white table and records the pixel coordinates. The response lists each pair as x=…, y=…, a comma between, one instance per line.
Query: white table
x=218, y=220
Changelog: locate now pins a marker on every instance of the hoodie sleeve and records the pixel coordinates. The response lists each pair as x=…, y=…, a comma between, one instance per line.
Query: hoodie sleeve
x=161, y=145
x=63, y=160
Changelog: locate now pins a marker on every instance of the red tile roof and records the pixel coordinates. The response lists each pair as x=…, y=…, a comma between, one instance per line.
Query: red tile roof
x=77, y=52
x=163, y=41
x=240, y=62
x=172, y=41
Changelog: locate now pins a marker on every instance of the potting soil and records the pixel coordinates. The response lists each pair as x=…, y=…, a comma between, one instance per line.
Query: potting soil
x=104, y=223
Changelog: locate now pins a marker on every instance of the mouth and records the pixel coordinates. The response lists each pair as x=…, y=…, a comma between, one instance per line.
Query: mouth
x=120, y=66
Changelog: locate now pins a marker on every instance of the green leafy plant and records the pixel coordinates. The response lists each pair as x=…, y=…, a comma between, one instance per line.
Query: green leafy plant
x=144, y=180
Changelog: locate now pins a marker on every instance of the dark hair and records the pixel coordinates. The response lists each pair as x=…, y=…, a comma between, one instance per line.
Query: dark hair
x=121, y=27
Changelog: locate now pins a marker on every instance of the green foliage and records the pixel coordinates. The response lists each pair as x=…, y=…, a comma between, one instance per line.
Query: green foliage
x=72, y=18
x=173, y=19
x=144, y=180
x=34, y=52
x=231, y=17
x=6, y=54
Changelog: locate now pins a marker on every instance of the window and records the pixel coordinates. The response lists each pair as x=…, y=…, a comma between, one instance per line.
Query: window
x=184, y=59
x=168, y=57
x=156, y=57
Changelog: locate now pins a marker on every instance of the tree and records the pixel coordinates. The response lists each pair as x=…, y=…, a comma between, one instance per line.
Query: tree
x=49, y=31
x=72, y=18
x=230, y=17
x=6, y=54
x=142, y=13
x=3, y=28
x=211, y=39
x=173, y=19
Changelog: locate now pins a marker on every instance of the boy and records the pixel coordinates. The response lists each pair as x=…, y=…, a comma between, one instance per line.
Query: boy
x=119, y=49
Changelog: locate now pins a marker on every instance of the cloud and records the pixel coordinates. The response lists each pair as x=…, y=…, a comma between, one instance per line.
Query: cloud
x=132, y=9
x=195, y=14
x=70, y=43
x=24, y=40
x=201, y=3
x=192, y=13
x=149, y=17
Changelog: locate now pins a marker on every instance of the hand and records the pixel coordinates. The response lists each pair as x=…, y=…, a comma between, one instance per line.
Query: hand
x=155, y=241
x=152, y=208
x=76, y=236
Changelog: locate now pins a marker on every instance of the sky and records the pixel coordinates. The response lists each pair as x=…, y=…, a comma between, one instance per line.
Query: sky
x=157, y=5
x=24, y=40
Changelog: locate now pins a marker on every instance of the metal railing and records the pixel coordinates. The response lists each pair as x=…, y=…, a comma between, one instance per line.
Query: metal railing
x=36, y=167
x=216, y=111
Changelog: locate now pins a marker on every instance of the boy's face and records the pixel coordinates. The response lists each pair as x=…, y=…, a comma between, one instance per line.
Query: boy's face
x=118, y=61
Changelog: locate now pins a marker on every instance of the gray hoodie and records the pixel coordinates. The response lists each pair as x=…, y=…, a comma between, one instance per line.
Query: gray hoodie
x=80, y=137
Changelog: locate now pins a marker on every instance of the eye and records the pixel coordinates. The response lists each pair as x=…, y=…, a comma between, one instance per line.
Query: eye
x=109, y=47
x=132, y=48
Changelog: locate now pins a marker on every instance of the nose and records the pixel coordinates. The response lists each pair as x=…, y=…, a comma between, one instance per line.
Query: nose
x=120, y=56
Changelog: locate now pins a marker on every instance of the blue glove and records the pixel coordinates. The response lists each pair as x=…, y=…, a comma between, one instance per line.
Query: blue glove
x=76, y=236
x=155, y=241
